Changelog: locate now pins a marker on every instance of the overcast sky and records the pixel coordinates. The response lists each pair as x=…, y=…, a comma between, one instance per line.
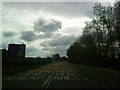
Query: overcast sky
x=45, y=27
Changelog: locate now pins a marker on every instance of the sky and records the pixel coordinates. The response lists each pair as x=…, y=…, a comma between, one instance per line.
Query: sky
x=45, y=27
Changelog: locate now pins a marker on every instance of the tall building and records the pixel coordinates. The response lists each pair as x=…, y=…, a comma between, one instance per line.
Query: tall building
x=16, y=50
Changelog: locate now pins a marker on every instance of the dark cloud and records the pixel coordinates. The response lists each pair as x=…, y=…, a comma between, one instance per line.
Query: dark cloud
x=8, y=34
x=32, y=36
x=28, y=36
x=45, y=26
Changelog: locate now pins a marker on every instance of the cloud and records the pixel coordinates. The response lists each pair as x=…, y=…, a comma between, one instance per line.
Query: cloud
x=19, y=17
x=60, y=40
x=72, y=30
x=45, y=35
x=56, y=49
x=8, y=34
x=45, y=48
x=28, y=36
x=46, y=26
x=60, y=49
x=15, y=19
x=31, y=51
x=3, y=45
x=58, y=43
x=71, y=9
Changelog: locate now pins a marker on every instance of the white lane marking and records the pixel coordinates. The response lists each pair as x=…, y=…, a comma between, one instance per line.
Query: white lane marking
x=37, y=77
x=48, y=71
x=34, y=78
x=67, y=78
x=49, y=83
x=46, y=81
x=64, y=77
x=78, y=75
x=10, y=78
x=61, y=77
x=56, y=77
x=82, y=78
x=86, y=78
x=76, y=78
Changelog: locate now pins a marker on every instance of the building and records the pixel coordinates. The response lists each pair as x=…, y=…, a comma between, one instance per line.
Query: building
x=16, y=50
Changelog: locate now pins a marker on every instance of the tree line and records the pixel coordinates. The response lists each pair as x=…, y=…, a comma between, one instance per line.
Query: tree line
x=99, y=43
x=17, y=65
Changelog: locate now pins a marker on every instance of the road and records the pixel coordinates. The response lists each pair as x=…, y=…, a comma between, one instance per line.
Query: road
x=64, y=75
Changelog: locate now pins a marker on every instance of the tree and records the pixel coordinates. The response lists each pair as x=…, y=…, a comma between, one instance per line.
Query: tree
x=64, y=58
x=100, y=37
x=117, y=26
x=76, y=52
x=4, y=56
x=117, y=19
x=56, y=57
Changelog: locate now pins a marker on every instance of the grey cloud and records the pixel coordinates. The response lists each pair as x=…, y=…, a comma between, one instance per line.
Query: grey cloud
x=4, y=45
x=39, y=25
x=72, y=30
x=58, y=44
x=45, y=26
x=45, y=48
x=31, y=51
x=62, y=40
x=44, y=43
x=28, y=36
x=57, y=49
x=53, y=25
x=70, y=9
x=32, y=36
x=9, y=34
x=59, y=41
x=45, y=35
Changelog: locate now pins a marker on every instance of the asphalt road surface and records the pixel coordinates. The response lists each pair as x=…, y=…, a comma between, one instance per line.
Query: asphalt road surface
x=64, y=75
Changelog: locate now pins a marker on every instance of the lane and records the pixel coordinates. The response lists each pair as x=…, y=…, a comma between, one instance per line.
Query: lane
x=64, y=75
x=46, y=79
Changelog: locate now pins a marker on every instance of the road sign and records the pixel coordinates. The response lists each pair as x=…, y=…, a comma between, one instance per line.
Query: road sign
x=16, y=50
